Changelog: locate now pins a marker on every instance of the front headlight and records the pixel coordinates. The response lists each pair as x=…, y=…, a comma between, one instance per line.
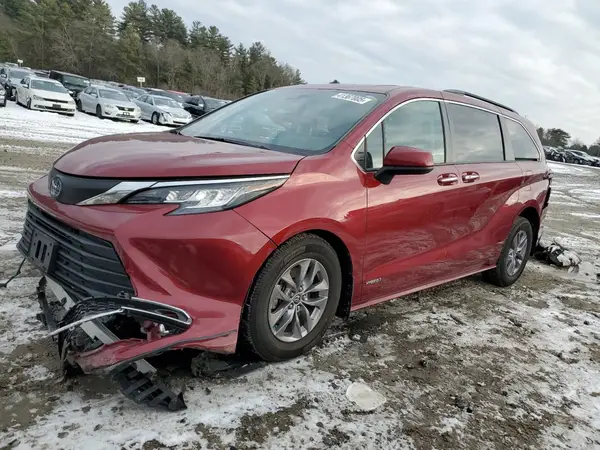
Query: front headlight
x=193, y=197
x=109, y=106
x=2, y=91
x=37, y=97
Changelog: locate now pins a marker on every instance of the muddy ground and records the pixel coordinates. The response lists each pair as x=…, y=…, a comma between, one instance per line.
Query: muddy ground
x=464, y=366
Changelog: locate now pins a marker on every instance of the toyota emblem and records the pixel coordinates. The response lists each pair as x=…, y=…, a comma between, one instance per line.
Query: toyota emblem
x=55, y=187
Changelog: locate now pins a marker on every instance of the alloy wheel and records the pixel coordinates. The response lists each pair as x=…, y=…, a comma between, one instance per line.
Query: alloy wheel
x=516, y=253
x=298, y=300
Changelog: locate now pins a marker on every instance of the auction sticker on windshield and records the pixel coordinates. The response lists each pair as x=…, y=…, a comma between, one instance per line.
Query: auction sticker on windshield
x=353, y=98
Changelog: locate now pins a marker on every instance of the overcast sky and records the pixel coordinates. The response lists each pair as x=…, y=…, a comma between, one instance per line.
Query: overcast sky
x=541, y=57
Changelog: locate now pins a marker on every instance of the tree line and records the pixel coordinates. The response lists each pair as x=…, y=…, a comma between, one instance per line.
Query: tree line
x=83, y=36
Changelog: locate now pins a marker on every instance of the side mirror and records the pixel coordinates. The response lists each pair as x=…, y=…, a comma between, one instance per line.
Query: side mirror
x=402, y=160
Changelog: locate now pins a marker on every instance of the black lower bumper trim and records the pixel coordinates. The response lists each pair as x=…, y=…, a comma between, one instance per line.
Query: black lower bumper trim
x=142, y=390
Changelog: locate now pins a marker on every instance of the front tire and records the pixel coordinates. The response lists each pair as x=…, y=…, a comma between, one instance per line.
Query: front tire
x=155, y=119
x=514, y=256
x=99, y=112
x=293, y=299
x=29, y=104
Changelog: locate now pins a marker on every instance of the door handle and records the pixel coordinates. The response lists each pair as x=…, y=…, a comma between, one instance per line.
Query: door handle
x=447, y=179
x=469, y=177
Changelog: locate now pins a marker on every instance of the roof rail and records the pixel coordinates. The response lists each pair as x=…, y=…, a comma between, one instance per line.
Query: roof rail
x=478, y=97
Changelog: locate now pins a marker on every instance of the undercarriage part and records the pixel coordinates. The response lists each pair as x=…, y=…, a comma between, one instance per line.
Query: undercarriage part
x=142, y=390
x=226, y=366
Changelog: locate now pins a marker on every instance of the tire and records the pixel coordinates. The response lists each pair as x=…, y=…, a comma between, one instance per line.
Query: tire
x=134, y=121
x=154, y=119
x=17, y=98
x=79, y=107
x=256, y=328
x=29, y=104
x=99, y=112
x=501, y=275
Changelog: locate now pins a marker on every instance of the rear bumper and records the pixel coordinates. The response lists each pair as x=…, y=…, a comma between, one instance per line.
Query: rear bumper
x=201, y=265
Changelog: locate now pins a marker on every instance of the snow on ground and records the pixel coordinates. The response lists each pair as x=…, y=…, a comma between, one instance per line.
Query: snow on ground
x=466, y=365
x=20, y=123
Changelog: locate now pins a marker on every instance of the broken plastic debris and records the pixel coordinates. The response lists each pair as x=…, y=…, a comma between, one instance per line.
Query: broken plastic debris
x=556, y=254
x=364, y=397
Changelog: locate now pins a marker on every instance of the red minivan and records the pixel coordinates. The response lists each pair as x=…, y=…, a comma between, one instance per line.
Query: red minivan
x=257, y=223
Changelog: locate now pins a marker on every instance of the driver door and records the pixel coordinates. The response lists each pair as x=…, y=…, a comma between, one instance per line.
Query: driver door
x=411, y=222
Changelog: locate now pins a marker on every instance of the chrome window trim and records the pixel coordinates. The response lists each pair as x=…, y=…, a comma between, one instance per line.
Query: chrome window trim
x=129, y=187
x=440, y=100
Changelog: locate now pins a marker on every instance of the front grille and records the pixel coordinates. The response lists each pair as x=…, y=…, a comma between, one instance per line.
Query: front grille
x=55, y=101
x=123, y=108
x=85, y=266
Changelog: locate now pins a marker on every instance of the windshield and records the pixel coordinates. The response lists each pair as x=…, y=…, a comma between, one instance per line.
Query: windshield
x=297, y=120
x=18, y=73
x=113, y=95
x=164, y=101
x=176, y=97
x=76, y=81
x=213, y=103
x=48, y=86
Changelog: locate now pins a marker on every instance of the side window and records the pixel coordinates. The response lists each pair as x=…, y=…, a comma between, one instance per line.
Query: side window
x=142, y=99
x=521, y=142
x=419, y=125
x=150, y=100
x=477, y=136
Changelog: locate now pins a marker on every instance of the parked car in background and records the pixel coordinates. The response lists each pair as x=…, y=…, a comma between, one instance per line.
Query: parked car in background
x=41, y=73
x=108, y=102
x=220, y=236
x=10, y=64
x=44, y=94
x=595, y=161
x=10, y=77
x=554, y=154
x=132, y=92
x=179, y=98
x=198, y=105
x=162, y=110
x=74, y=83
x=3, y=96
x=578, y=157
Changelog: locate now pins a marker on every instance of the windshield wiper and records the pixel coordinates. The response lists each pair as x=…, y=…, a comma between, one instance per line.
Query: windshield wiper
x=233, y=141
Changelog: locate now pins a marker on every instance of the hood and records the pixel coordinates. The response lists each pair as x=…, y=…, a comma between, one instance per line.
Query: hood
x=50, y=95
x=169, y=155
x=123, y=103
x=177, y=112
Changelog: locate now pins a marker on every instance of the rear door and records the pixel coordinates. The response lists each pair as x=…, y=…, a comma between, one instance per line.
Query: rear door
x=410, y=222
x=489, y=183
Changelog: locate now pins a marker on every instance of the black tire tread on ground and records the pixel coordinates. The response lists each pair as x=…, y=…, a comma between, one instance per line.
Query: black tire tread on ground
x=255, y=332
x=498, y=275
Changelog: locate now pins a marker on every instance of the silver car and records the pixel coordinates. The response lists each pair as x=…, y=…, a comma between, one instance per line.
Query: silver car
x=10, y=78
x=162, y=110
x=108, y=102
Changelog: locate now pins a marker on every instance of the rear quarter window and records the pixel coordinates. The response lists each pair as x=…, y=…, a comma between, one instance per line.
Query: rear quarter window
x=523, y=146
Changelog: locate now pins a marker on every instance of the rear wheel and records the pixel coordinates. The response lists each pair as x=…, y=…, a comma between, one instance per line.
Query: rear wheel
x=293, y=299
x=514, y=256
x=79, y=107
x=99, y=112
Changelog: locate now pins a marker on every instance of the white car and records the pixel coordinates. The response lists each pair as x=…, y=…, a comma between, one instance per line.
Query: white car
x=43, y=94
x=108, y=102
x=162, y=110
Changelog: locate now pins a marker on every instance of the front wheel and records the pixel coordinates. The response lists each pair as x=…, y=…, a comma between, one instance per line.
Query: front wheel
x=29, y=104
x=155, y=118
x=99, y=112
x=293, y=299
x=514, y=256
